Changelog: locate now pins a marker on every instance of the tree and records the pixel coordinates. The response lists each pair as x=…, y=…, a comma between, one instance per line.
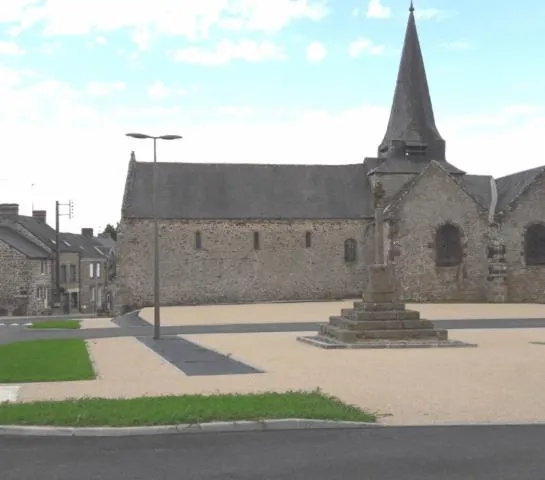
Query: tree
x=111, y=231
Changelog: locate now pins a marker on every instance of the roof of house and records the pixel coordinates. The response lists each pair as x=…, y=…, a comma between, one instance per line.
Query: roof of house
x=43, y=232
x=22, y=244
x=88, y=249
x=244, y=191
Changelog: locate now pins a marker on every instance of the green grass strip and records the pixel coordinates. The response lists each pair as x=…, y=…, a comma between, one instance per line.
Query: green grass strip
x=45, y=361
x=61, y=324
x=172, y=410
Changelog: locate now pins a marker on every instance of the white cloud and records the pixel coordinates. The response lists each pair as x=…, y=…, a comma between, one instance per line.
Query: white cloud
x=188, y=18
x=100, y=89
x=228, y=50
x=355, y=12
x=158, y=90
x=316, y=52
x=100, y=40
x=43, y=115
x=375, y=9
x=458, y=45
x=10, y=48
x=364, y=46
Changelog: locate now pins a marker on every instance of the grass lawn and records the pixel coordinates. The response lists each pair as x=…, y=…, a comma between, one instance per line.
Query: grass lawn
x=65, y=324
x=45, y=361
x=183, y=409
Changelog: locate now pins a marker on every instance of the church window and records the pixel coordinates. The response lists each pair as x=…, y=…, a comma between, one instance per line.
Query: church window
x=350, y=250
x=198, y=240
x=308, y=240
x=534, y=244
x=448, y=246
x=256, y=241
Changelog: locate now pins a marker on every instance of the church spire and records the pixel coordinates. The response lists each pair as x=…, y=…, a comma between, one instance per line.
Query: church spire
x=411, y=129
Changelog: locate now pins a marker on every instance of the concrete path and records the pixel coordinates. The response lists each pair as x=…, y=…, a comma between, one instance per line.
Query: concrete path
x=484, y=453
x=501, y=380
x=316, y=312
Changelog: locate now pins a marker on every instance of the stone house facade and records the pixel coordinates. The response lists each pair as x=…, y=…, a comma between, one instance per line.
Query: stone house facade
x=250, y=233
x=22, y=235
x=25, y=276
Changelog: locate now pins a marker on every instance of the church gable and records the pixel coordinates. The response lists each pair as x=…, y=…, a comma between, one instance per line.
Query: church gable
x=435, y=184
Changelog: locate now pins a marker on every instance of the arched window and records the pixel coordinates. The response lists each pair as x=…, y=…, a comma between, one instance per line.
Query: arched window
x=350, y=250
x=448, y=246
x=534, y=244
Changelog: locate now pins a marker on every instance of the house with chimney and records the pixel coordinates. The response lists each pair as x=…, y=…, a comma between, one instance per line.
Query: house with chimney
x=27, y=271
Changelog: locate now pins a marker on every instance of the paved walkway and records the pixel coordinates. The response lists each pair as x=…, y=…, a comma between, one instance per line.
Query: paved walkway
x=501, y=380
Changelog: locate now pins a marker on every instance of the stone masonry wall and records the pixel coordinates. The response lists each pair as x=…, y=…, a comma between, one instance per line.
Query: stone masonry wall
x=434, y=200
x=20, y=275
x=229, y=270
x=526, y=283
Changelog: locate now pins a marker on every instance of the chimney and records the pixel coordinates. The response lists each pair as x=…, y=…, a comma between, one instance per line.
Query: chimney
x=39, y=215
x=87, y=232
x=9, y=209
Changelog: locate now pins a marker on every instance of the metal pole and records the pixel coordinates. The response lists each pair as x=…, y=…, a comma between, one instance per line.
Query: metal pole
x=156, y=308
x=57, y=257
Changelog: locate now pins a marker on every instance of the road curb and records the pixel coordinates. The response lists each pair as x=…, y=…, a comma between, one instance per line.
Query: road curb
x=212, y=427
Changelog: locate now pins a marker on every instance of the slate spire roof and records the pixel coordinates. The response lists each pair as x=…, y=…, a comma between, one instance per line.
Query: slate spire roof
x=412, y=122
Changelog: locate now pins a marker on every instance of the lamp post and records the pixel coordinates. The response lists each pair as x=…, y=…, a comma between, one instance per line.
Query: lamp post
x=156, y=299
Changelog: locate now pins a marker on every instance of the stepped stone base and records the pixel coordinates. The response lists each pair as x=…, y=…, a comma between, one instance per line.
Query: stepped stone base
x=329, y=343
x=380, y=321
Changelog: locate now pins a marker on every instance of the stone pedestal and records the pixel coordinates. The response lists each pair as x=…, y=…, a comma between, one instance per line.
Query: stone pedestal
x=380, y=321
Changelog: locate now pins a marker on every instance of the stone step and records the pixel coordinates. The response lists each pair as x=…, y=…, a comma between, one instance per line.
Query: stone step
x=362, y=315
x=352, y=336
x=378, y=307
x=352, y=324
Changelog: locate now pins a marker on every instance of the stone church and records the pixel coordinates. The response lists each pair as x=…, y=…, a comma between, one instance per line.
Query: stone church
x=250, y=233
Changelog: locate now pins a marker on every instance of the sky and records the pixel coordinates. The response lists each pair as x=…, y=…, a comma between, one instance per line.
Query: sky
x=251, y=81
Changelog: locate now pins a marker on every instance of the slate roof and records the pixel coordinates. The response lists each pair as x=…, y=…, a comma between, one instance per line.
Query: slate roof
x=512, y=186
x=245, y=191
x=43, y=231
x=87, y=248
x=21, y=244
x=411, y=118
x=405, y=165
x=479, y=187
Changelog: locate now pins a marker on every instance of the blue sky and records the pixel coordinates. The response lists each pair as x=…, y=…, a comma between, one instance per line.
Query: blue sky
x=284, y=81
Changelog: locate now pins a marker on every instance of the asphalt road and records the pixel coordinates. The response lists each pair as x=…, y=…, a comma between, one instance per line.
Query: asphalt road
x=432, y=453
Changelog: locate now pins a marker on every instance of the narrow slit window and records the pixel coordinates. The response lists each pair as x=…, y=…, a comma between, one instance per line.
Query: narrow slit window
x=257, y=244
x=308, y=240
x=198, y=240
x=350, y=250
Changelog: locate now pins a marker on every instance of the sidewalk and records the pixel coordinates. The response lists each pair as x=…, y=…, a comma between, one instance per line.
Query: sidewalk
x=321, y=311
x=501, y=380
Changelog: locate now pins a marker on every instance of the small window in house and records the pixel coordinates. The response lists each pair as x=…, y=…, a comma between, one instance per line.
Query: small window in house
x=198, y=240
x=43, y=267
x=257, y=245
x=448, y=246
x=350, y=250
x=91, y=270
x=66, y=243
x=93, y=294
x=97, y=270
x=63, y=273
x=308, y=240
x=73, y=273
x=534, y=244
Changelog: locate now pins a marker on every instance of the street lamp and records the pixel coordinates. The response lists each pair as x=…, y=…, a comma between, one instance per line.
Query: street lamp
x=156, y=300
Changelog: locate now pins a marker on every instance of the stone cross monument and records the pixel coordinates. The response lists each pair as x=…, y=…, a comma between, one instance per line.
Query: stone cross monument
x=380, y=320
